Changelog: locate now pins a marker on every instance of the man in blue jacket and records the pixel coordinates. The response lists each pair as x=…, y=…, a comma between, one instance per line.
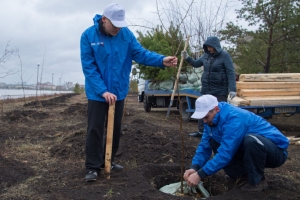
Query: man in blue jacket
x=218, y=76
x=107, y=50
x=244, y=144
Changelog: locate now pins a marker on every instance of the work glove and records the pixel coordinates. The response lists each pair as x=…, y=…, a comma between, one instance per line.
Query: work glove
x=232, y=94
x=184, y=54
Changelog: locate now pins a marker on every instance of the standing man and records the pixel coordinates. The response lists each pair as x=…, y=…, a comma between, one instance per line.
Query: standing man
x=107, y=50
x=218, y=78
x=244, y=144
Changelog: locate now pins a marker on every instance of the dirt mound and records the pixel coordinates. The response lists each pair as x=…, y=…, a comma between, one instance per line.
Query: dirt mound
x=71, y=147
x=57, y=101
x=24, y=115
x=13, y=172
x=76, y=109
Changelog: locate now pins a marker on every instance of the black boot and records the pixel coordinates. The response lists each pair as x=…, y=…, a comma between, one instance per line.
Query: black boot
x=114, y=167
x=196, y=134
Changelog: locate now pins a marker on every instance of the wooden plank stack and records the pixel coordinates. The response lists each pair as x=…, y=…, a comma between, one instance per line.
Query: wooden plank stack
x=267, y=89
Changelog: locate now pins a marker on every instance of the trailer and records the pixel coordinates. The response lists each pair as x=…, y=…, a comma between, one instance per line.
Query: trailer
x=186, y=105
x=162, y=98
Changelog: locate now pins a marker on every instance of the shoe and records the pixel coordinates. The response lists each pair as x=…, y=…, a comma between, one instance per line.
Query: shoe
x=232, y=182
x=91, y=176
x=114, y=167
x=263, y=185
x=196, y=134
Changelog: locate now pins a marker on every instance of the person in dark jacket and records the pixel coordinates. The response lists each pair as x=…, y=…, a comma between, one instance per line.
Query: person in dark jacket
x=107, y=51
x=244, y=144
x=218, y=76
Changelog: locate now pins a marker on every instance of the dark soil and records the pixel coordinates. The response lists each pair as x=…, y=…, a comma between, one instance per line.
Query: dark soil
x=42, y=154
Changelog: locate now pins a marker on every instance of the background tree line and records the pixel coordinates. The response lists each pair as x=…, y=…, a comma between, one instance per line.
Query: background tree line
x=273, y=47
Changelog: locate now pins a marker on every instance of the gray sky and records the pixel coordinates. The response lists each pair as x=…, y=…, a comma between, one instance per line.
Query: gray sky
x=53, y=28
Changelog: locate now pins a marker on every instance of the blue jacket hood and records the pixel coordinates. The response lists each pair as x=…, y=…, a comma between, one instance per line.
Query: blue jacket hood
x=214, y=42
x=96, y=20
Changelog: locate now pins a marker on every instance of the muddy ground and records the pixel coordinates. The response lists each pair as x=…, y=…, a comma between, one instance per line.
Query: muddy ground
x=42, y=154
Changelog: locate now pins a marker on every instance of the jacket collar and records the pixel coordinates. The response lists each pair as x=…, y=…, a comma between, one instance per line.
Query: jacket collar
x=216, y=119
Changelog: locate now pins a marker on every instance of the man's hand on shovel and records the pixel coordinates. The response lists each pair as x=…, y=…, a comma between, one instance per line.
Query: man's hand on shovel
x=110, y=98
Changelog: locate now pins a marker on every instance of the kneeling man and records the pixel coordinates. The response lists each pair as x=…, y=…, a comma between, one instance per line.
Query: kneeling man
x=244, y=144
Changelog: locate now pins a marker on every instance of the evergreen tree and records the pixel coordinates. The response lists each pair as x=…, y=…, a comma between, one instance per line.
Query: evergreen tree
x=274, y=46
x=77, y=89
x=165, y=43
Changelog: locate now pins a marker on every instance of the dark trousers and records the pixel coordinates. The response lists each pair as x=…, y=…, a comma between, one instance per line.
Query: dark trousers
x=253, y=155
x=96, y=133
x=200, y=122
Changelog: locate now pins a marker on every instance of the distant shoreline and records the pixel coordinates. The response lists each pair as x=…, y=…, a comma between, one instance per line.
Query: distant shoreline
x=19, y=93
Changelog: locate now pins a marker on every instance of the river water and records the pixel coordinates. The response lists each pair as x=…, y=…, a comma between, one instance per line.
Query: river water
x=14, y=93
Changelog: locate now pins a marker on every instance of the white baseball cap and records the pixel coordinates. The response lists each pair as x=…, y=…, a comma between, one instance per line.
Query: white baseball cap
x=116, y=14
x=203, y=105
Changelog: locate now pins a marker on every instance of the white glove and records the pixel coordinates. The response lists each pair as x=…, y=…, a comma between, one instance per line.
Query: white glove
x=232, y=95
x=184, y=54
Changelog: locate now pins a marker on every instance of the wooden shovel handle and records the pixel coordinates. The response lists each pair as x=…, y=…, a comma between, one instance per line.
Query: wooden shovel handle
x=109, y=140
x=179, y=69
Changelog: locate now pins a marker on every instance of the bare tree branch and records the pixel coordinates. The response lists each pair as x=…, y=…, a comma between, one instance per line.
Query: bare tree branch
x=8, y=52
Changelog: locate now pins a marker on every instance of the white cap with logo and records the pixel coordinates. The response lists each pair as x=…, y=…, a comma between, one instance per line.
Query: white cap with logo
x=204, y=104
x=116, y=14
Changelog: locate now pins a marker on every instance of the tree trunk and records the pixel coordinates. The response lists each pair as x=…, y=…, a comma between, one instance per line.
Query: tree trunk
x=268, y=56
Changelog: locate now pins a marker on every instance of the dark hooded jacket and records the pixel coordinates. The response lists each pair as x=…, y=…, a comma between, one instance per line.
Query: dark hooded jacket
x=218, y=76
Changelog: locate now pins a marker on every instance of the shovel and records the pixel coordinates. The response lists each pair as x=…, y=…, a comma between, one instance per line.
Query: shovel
x=177, y=77
x=109, y=139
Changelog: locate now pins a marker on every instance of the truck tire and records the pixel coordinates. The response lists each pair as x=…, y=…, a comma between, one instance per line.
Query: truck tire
x=185, y=116
x=147, y=105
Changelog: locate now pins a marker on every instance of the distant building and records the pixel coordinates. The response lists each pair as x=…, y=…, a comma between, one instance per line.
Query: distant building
x=2, y=85
x=61, y=87
x=46, y=86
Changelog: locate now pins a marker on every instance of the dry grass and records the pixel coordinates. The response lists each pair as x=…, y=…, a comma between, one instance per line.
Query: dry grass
x=34, y=149
x=132, y=164
x=20, y=191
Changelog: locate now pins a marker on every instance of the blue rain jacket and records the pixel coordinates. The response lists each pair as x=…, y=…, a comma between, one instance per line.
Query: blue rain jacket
x=231, y=124
x=218, y=76
x=107, y=60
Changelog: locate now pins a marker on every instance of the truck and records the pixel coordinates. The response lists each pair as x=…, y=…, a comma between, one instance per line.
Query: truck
x=162, y=99
x=186, y=106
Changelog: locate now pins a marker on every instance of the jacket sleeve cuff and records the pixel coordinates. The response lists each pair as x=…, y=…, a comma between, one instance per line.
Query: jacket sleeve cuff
x=162, y=63
x=201, y=173
x=195, y=167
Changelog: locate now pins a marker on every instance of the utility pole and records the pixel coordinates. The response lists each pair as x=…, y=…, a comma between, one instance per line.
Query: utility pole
x=52, y=81
x=37, y=79
x=59, y=84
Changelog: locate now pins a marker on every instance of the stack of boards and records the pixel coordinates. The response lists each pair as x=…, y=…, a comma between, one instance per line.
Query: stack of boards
x=267, y=89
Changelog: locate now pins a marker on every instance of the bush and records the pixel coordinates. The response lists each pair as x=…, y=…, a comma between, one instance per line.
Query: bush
x=78, y=89
x=133, y=86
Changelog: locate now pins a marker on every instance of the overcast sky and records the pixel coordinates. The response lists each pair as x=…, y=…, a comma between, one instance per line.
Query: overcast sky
x=53, y=28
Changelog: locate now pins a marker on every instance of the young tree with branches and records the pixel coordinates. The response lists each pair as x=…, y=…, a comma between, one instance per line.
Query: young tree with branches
x=8, y=52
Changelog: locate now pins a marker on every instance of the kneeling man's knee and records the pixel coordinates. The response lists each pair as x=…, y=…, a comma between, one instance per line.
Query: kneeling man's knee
x=252, y=141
